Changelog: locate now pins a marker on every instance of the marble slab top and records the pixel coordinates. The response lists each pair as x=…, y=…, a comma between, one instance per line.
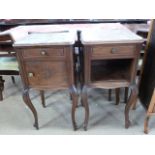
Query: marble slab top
x=91, y=33
x=47, y=38
x=117, y=35
x=19, y=32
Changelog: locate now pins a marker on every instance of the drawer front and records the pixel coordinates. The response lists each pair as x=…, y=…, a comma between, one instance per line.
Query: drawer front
x=113, y=52
x=46, y=74
x=43, y=53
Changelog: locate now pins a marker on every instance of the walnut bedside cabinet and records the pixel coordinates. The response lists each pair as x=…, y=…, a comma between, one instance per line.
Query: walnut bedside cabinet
x=110, y=62
x=46, y=62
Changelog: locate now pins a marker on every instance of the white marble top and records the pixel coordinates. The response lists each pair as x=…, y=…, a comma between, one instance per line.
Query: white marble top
x=47, y=38
x=21, y=31
x=91, y=33
x=110, y=35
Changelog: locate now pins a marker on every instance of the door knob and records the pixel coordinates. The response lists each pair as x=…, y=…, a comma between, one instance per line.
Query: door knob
x=114, y=50
x=30, y=75
x=43, y=52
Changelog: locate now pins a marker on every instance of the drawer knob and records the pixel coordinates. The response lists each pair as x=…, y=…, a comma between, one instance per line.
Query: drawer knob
x=43, y=52
x=114, y=50
x=30, y=75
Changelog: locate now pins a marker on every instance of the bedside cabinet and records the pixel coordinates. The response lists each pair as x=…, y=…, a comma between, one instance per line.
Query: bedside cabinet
x=110, y=62
x=46, y=62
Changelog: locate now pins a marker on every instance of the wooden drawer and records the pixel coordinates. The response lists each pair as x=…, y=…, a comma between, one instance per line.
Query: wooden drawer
x=46, y=73
x=43, y=53
x=104, y=52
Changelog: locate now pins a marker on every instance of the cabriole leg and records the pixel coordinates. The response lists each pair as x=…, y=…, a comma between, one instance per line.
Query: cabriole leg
x=117, y=92
x=126, y=94
x=42, y=98
x=132, y=98
x=74, y=96
x=84, y=100
x=31, y=107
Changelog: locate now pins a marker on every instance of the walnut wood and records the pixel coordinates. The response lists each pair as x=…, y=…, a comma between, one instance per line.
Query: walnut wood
x=127, y=45
x=47, y=66
x=133, y=96
x=47, y=74
x=84, y=100
x=126, y=94
x=43, y=53
x=110, y=62
x=74, y=96
x=42, y=98
x=113, y=51
x=28, y=102
x=117, y=92
x=115, y=78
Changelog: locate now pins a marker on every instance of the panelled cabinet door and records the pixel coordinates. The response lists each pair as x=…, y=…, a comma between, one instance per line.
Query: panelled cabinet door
x=46, y=73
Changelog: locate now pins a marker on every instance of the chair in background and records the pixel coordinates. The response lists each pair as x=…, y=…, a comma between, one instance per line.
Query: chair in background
x=8, y=63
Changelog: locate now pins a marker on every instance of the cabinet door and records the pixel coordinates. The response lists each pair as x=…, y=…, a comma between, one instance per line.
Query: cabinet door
x=47, y=74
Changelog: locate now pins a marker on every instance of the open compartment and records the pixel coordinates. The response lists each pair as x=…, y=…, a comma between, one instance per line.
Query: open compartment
x=106, y=70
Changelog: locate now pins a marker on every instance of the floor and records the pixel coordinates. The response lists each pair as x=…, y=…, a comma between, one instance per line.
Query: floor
x=105, y=117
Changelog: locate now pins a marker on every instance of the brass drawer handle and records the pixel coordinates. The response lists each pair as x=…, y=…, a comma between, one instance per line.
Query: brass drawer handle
x=43, y=52
x=114, y=50
x=30, y=75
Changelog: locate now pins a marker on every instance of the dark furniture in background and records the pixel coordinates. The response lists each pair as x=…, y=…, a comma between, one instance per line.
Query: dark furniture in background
x=10, y=23
x=147, y=83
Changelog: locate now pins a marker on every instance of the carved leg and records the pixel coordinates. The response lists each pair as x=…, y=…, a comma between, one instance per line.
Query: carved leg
x=126, y=94
x=13, y=79
x=109, y=94
x=84, y=99
x=117, y=92
x=30, y=105
x=42, y=98
x=74, y=95
x=133, y=95
x=146, y=121
x=1, y=88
